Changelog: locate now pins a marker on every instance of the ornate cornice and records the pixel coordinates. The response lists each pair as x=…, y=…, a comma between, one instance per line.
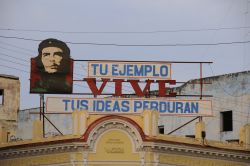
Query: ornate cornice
x=203, y=152
x=41, y=150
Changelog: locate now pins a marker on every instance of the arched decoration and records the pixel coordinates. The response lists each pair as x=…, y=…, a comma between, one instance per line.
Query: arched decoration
x=97, y=128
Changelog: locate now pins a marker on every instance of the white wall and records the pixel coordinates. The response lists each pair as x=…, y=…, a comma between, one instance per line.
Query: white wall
x=230, y=92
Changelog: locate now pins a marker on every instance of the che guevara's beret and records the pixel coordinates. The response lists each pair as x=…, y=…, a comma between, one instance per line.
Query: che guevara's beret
x=54, y=43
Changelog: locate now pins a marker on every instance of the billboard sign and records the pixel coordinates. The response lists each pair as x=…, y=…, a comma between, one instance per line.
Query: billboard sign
x=52, y=69
x=52, y=73
x=129, y=70
x=129, y=106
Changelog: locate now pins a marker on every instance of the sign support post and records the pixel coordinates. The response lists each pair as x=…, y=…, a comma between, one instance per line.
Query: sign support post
x=201, y=86
x=40, y=112
x=42, y=96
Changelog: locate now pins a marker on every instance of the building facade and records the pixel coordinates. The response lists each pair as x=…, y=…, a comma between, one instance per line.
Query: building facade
x=119, y=140
x=230, y=104
x=9, y=105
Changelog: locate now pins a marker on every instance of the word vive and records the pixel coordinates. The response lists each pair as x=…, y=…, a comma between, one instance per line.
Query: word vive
x=128, y=106
x=135, y=85
x=129, y=70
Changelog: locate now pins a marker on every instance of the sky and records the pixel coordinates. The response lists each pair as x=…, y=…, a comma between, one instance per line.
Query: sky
x=173, y=30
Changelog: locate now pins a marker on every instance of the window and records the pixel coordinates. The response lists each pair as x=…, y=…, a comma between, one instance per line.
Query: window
x=226, y=121
x=233, y=141
x=161, y=129
x=190, y=136
x=1, y=97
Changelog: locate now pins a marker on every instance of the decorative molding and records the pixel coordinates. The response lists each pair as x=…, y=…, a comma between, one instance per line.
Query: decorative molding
x=40, y=150
x=114, y=124
x=196, y=152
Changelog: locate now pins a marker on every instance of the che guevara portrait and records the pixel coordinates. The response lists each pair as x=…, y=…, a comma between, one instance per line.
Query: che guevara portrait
x=52, y=69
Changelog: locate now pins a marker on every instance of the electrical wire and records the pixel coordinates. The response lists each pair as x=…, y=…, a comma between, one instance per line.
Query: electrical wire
x=16, y=58
x=24, y=53
x=13, y=62
x=126, y=32
x=15, y=46
x=136, y=45
x=14, y=68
